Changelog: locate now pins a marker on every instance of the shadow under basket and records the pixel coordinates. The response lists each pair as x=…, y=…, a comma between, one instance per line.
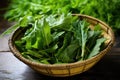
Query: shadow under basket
x=62, y=70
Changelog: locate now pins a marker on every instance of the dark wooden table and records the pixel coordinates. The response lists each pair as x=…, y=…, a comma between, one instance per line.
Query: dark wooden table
x=108, y=68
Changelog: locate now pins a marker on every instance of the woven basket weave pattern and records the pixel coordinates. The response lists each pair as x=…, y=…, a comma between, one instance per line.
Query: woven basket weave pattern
x=61, y=70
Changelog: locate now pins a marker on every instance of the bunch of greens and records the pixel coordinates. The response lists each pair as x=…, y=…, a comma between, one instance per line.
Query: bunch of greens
x=61, y=38
x=106, y=10
x=53, y=35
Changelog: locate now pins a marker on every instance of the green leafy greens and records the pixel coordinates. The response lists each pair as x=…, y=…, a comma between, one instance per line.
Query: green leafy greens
x=67, y=40
x=106, y=10
x=53, y=35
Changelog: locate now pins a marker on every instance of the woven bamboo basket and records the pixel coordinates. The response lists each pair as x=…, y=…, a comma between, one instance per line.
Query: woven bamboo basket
x=62, y=70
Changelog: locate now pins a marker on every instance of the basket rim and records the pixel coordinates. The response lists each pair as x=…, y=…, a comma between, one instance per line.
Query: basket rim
x=29, y=62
